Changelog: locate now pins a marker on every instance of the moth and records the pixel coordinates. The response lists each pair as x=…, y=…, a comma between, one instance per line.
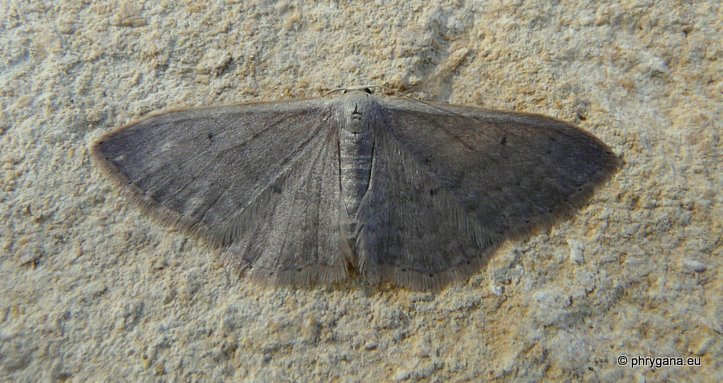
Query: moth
x=312, y=191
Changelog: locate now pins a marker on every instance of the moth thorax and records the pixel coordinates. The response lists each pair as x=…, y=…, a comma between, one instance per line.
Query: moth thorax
x=356, y=148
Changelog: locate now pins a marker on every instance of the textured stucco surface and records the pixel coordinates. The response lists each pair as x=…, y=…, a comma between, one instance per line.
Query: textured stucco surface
x=91, y=289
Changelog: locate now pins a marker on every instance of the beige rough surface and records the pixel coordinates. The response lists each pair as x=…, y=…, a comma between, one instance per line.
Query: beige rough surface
x=92, y=290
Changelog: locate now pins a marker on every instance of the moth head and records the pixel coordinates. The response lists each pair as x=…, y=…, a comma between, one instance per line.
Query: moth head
x=365, y=89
